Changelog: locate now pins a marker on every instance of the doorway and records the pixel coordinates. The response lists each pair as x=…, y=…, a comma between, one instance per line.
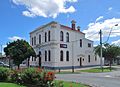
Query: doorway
x=80, y=61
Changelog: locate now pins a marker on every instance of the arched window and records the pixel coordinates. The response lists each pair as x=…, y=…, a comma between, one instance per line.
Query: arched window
x=80, y=42
x=61, y=55
x=45, y=37
x=34, y=40
x=39, y=39
x=67, y=55
x=49, y=55
x=61, y=36
x=48, y=35
x=67, y=37
x=45, y=55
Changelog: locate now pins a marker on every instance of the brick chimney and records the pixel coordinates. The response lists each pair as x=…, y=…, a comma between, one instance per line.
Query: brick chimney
x=73, y=24
x=78, y=28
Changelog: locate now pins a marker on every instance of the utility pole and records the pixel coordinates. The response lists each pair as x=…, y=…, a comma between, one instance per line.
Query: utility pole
x=72, y=59
x=101, y=49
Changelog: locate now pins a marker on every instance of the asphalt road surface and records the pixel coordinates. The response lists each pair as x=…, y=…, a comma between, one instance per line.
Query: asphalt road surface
x=108, y=79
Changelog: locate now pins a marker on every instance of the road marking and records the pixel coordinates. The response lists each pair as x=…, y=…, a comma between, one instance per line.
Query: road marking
x=107, y=76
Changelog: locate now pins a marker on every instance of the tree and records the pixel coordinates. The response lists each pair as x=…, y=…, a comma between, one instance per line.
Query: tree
x=19, y=51
x=109, y=52
x=112, y=51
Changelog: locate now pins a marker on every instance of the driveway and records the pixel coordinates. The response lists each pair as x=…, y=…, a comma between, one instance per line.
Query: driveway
x=108, y=79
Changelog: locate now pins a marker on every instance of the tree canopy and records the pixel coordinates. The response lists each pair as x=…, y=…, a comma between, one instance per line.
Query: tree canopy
x=19, y=51
x=109, y=52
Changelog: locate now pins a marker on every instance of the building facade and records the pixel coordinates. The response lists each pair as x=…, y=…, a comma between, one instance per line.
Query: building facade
x=61, y=47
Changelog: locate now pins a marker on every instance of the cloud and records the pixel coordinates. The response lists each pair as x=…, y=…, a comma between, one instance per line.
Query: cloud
x=45, y=8
x=99, y=18
x=14, y=38
x=116, y=42
x=110, y=8
x=92, y=32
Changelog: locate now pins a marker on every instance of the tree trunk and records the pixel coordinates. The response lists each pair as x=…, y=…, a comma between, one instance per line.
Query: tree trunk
x=18, y=66
x=110, y=64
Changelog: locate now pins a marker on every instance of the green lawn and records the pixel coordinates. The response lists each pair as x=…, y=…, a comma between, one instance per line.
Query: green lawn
x=67, y=72
x=65, y=84
x=3, y=84
x=71, y=84
x=96, y=70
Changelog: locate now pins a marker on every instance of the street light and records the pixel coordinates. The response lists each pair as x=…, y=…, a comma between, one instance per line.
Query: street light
x=102, y=43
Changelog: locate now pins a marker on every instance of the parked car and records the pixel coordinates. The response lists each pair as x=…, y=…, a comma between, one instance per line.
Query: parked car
x=3, y=64
x=106, y=64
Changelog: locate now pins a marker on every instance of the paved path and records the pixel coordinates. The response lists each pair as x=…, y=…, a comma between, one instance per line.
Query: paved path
x=109, y=79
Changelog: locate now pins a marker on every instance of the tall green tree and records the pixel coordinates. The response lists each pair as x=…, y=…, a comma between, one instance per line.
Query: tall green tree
x=110, y=52
x=19, y=51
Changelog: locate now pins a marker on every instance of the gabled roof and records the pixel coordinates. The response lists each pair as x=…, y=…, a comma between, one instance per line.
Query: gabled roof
x=69, y=28
x=42, y=26
x=62, y=26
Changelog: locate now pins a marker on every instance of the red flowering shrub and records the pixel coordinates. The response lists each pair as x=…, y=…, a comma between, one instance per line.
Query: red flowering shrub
x=33, y=76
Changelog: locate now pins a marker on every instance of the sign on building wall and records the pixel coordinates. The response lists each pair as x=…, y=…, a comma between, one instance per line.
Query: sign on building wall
x=63, y=45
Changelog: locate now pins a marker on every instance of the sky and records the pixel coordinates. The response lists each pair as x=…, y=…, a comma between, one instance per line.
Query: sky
x=19, y=17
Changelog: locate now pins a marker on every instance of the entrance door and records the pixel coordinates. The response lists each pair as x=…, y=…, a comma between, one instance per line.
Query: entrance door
x=39, y=59
x=80, y=61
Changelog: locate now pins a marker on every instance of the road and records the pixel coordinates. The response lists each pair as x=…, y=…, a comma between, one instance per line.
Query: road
x=108, y=79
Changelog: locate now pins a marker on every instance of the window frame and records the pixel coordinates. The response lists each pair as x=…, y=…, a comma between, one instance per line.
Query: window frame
x=45, y=55
x=49, y=55
x=67, y=55
x=39, y=38
x=61, y=36
x=45, y=36
x=89, y=58
x=49, y=35
x=67, y=37
x=80, y=42
x=61, y=56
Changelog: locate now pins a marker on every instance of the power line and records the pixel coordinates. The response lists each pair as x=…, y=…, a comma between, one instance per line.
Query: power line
x=92, y=34
x=110, y=33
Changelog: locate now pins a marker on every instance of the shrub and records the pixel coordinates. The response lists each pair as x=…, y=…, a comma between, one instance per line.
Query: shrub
x=16, y=76
x=33, y=77
x=4, y=73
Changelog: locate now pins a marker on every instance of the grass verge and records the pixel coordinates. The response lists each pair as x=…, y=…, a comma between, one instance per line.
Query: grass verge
x=57, y=82
x=96, y=70
x=69, y=84
x=4, y=84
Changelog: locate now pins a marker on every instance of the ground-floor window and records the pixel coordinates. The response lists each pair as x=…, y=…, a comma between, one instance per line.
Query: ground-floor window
x=67, y=55
x=61, y=55
x=88, y=58
x=49, y=55
x=45, y=55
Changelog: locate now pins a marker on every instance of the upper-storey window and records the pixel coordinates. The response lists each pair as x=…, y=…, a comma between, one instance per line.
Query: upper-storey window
x=34, y=40
x=45, y=37
x=49, y=35
x=61, y=36
x=39, y=39
x=67, y=37
x=89, y=44
x=80, y=42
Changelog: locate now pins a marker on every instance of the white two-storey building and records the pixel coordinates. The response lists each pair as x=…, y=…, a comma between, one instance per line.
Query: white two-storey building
x=61, y=47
